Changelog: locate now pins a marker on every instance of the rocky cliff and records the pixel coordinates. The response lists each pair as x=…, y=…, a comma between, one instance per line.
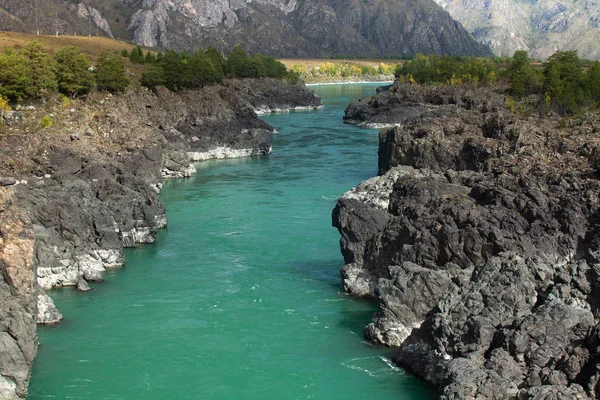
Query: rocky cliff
x=540, y=27
x=76, y=193
x=479, y=240
x=282, y=28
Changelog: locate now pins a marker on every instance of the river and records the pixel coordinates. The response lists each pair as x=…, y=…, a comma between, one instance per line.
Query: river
x=240, y=298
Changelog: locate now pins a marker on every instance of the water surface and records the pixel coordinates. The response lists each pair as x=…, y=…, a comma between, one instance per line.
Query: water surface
x=241, y=297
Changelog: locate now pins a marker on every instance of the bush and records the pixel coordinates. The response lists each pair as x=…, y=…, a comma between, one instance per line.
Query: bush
x=3, y=107
x=46, y=121
x=110, y=73
x=73, y=74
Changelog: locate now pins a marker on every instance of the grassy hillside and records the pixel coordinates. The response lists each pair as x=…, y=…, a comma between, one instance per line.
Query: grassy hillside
x=91, y=46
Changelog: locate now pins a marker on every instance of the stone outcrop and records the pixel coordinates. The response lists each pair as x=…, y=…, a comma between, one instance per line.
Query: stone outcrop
x=480, y=242
x=87, y=187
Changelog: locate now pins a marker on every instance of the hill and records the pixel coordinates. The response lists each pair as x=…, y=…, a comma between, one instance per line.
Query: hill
x=540, y=27
x=281, y=28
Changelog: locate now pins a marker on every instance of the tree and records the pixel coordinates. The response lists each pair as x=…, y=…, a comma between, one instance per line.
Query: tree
x=41, y=70
x=153, y=76
x=239, y=65
x=14, y=79
x=593, y=82
x=520, y=74
x=73, y=74
x=110, y=73
x=173, y=72
x=149, y=58
x=137, y=55
x=202, y=71
x=218, y=61
x=564, y=81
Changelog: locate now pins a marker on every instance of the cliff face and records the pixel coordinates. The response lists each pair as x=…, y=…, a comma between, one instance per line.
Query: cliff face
x=18, y=338
x=479, y=240
x=295, y=28
x=540, y=27
x=87, y=187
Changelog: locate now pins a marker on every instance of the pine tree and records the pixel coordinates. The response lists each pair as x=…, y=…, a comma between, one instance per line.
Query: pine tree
x=110, y=73
x=73, y=75
x=14, y=79
x=42, y=70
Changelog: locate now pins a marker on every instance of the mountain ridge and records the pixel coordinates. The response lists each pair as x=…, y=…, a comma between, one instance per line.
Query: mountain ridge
x=539, y=27
x=282, y=28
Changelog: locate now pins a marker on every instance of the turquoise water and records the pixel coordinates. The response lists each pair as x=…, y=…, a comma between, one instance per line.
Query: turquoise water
x=241, y=297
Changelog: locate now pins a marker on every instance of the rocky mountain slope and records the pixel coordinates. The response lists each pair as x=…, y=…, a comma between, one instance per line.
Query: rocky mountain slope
x=74, y=194
x=479, y=239
x=290, y=28
x=540, y=27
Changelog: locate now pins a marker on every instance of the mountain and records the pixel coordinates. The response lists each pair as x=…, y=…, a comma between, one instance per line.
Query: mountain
x=283, y=28
x=539, y=26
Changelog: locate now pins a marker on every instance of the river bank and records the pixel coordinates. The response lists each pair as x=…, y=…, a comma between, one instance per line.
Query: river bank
x=479, y=241
x=89, y=180
x=240, y=297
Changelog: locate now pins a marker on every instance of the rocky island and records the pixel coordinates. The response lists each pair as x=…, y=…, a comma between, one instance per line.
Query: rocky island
x=75, y=194
x=479, y=240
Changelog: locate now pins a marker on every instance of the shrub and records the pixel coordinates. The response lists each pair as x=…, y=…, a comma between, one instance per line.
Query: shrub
x=3, y=107
x=46, y=121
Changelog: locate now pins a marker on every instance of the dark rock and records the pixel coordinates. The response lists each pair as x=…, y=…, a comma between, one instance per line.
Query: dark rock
x=486, y=265
x=8, y=181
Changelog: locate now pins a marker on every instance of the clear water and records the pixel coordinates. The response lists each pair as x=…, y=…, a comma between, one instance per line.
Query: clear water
x=241, y=297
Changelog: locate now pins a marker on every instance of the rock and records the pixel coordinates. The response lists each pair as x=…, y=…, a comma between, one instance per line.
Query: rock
x=18, y=338
x=484, y=254
x=8, y=181
x=47, y=311
x=74, y=136
x=83, y=286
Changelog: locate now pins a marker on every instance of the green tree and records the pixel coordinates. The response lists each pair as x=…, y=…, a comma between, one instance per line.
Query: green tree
x=150, y=58
x=137, y=55
x=520, y=73
x=153, y=76
x=218, y=61
x=239, y=64
x=593, y=82
x=41, y=70
x=110, y=73
x=202, y=71
x=174, y=75
x=564, y=81
x=14, y=79
x=73, y=74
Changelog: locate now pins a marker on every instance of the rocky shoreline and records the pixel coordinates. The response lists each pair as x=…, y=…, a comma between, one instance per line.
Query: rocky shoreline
x=73, y=195
x=480, y=241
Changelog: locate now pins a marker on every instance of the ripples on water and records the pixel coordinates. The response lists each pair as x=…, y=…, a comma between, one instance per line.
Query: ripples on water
x=241, y=297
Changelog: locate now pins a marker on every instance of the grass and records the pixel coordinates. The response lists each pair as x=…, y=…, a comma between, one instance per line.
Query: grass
x=313, y=62
x=91, y=46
